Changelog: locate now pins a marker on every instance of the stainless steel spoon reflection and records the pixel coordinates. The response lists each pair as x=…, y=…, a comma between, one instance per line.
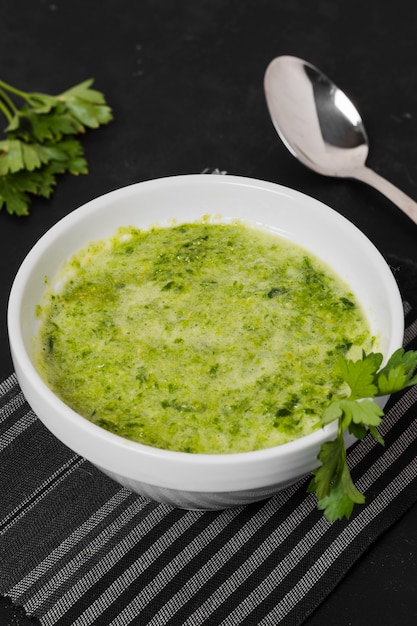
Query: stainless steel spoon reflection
x=321, y=127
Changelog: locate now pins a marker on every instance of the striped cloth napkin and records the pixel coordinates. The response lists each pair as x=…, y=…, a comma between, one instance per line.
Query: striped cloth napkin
x=76, y=549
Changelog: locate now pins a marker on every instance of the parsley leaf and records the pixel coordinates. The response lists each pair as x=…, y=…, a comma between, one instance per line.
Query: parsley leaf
x=398, y=372
x=41, y=140
x=86, y=105
x=332, y=482
x=357, y=413
x=359, y=375
x=340, y=501
x=28, y=123
x=16, y=155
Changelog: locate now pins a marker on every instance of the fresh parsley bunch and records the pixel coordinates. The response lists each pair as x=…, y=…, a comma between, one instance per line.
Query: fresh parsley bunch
x=41, y=140
x=357, y=413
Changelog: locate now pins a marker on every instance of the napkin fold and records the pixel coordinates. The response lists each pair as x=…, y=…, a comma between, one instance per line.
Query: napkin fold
x=77, y=549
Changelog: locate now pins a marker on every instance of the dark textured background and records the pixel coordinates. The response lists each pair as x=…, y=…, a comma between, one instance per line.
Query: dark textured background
x=185, y=80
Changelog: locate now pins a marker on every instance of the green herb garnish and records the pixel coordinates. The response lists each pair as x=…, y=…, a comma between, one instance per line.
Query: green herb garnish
x=40, y=140
x=356, y=413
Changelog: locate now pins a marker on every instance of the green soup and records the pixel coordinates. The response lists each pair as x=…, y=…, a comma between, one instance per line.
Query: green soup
x=202, y=337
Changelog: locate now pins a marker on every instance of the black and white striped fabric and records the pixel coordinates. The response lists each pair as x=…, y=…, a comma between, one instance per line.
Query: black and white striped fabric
x=76, y=549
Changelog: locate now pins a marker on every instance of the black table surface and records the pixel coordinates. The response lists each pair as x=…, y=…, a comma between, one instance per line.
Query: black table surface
x=185, y=81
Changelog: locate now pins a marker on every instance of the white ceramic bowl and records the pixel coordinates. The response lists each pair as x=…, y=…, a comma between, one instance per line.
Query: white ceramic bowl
x=197, y=481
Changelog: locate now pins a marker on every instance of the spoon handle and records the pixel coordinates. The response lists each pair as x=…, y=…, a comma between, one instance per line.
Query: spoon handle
x=404, y=202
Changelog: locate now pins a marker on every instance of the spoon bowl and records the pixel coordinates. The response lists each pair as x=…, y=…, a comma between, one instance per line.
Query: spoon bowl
x=321, y=127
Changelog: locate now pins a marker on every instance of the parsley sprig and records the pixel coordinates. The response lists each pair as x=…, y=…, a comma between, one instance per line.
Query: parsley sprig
x=41, y=140
x=358, y=413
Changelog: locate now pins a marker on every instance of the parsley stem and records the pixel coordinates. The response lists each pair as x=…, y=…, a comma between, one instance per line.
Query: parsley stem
x=17, y=92
x=7, y=99
x=4, y=104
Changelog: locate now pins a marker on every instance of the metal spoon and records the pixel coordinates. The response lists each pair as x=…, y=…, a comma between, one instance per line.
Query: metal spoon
x=321, y=127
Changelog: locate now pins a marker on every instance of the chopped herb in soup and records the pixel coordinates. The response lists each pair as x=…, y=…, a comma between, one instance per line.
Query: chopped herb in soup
x=203, y=337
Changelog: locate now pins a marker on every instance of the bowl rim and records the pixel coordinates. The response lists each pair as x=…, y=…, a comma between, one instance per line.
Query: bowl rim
x=94, y=205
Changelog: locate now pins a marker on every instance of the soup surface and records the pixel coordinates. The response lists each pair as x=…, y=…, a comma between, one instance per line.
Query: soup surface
x=202, y=337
